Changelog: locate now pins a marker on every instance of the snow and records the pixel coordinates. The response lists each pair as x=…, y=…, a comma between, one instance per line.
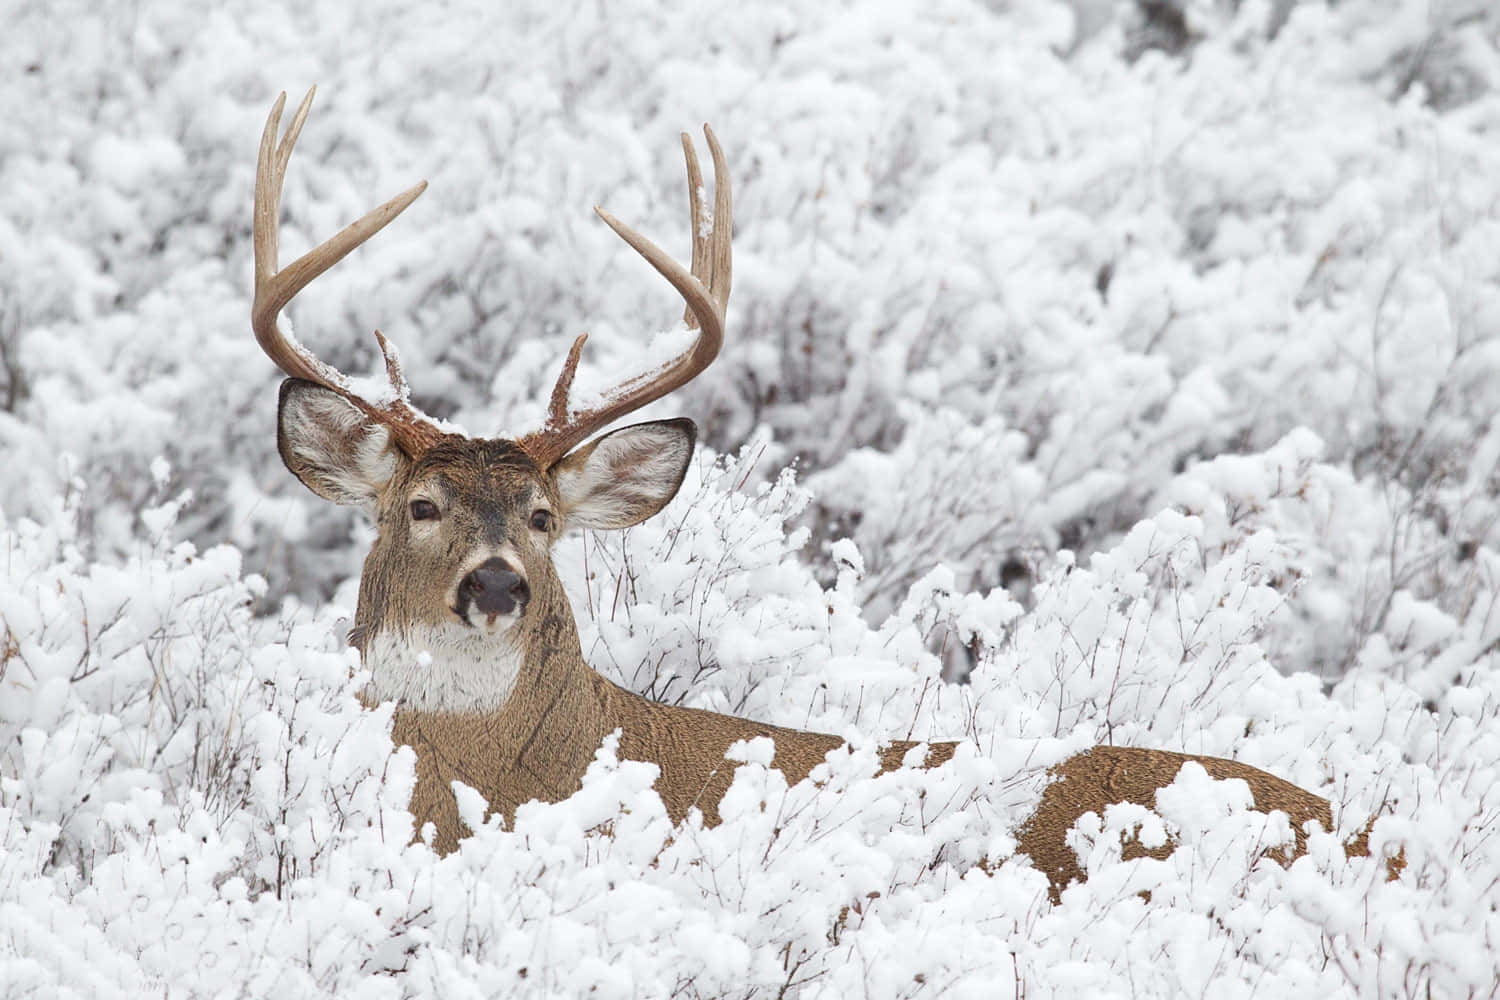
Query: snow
x=1150, y=391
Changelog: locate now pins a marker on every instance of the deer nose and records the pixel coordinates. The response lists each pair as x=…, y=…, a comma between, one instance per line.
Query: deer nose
x=495, y=588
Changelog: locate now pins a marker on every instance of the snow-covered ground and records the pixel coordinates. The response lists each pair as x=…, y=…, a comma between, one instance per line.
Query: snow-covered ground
x=1196, y=350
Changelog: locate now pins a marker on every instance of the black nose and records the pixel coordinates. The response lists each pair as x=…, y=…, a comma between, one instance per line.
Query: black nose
x=494, y=588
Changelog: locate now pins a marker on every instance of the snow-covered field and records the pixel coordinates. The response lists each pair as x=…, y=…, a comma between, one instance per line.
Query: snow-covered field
x=1196, y=350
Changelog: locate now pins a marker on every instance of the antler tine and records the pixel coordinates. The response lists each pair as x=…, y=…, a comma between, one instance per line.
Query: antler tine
x=702, y=262
x=274, y=287
x=705, y=289
x=723, y=259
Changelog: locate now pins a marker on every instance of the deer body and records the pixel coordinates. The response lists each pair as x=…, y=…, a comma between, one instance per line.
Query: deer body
x=462, y=620
x=517, y=754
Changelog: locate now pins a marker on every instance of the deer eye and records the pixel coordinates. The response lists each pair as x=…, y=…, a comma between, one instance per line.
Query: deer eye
x=541, y=520
x=423, y=510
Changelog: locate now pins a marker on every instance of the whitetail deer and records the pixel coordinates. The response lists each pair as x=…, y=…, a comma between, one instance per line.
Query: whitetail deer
x=462, y=620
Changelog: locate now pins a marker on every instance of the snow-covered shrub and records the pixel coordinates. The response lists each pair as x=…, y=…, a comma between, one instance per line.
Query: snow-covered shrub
x=146, y=686
x=195, y=801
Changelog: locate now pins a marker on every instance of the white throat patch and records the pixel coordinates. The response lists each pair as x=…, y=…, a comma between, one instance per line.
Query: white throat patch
x=445, y=668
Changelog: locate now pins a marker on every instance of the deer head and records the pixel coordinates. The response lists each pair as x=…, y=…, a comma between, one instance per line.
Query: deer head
x=459, y=589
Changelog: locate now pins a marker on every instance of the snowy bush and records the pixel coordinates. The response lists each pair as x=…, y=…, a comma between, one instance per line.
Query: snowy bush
x=1136, y=362
x=194, y=799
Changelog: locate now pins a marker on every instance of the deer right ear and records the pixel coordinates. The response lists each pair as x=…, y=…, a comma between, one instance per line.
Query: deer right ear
x=337, y=451
x=626, y=476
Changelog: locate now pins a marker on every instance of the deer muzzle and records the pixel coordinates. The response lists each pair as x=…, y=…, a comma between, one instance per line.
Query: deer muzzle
x=493, y=589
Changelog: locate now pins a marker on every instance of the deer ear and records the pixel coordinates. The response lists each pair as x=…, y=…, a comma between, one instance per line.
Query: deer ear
x=626, y=476
x=338, y=452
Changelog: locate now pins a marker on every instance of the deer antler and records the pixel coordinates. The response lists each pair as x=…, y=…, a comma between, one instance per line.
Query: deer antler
x=411, y=430
x=706, y=291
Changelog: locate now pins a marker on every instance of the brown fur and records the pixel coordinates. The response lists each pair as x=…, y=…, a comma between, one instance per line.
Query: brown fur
x=539, y=745
x=1104, y=775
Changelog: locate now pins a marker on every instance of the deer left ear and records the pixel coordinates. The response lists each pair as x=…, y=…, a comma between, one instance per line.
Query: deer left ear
x=626, y=476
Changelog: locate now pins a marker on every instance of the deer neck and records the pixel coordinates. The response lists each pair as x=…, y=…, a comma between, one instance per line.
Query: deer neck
x=515, y=721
